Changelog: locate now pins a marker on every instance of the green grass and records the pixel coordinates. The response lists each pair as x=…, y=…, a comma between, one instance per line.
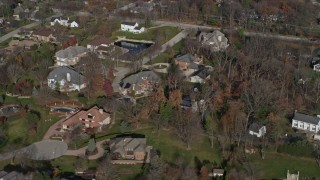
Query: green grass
x=166, y=32
x=162, y=58
x=66, y=163
x=16, y=126
x=171, y=147
x=134, y=169
x=178, y=47
x=276, y=166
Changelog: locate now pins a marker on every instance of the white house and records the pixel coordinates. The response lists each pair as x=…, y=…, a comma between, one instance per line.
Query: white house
x=63, y=22
x=306, y=122
x=216, y=173
x=257, y=130
x=70, y=56
x=65, y=79
x=132, y=27
x=316, y=67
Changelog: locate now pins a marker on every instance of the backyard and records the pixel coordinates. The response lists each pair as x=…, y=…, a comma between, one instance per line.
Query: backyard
x=15, y=128
x=275, y=166
x=165, y=32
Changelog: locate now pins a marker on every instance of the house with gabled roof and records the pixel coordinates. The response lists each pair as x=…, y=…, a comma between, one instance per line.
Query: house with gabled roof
x=94, y=119
x=257, y=130
x=65, y=79
x=306, y=122
x=132, y=27
x=63, y=22
x=139, y=83
x=99, y=41
x=70, y=56
x=215, y=40
x=43, y=35
x=128, y=150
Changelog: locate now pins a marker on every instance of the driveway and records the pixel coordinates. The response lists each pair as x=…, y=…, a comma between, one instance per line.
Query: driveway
x=120, y=74
x=82, y=151
x=42, y=150
x=54, y=129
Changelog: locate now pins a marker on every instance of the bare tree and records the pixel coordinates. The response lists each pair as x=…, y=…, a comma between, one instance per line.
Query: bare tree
x=185, y=124
x=14, y=72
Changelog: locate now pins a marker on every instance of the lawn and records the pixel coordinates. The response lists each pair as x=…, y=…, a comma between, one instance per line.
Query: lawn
x=128, y=172
x=66, y=163
x=171, y=147
x=162, y=58
x=276, y=166
x=166, y=31
x=16, y=126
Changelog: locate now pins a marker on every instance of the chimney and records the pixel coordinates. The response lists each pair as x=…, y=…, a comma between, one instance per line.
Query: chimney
x=68, y=77
x=101, y=111
x=220, y=38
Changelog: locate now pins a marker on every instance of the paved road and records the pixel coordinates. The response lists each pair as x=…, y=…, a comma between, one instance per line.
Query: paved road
x=28, y=26
x=247, y=33
x=12, y=33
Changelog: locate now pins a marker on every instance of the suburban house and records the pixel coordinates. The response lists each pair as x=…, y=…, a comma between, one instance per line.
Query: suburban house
x=19, y=11
x=216, y=173
x=316, y=67
x=128, y=150
x=143, y=7
x=257, y=130
x=97, y=42
x=200, y=76
x=306, y=122
x=140, y=83
x=24, y=44
x=43, y=35
x=189, y=63
x=63, y=22
x=215, y=40
x=132, y=27
x=70, y=56
x=65, y=79
x=94, y=118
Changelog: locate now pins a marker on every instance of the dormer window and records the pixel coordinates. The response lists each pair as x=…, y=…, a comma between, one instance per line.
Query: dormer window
x=90, y=116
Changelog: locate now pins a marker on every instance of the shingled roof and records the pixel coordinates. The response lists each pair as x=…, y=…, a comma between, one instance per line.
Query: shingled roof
x=100, y=40
x=306, y=118
x=60, y=73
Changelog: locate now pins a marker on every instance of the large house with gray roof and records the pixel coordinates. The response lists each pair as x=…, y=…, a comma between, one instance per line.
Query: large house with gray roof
x=306, y=122
x=70, y=56
x=65, y=79
x=126, y=149
x=216, y=40
x=140, y=83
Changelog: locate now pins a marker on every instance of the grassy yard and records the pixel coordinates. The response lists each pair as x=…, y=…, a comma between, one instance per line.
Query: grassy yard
x=16, y=126
x=166, y=32
x=66, y=163
x=162, y=58
x=128, y=172
x=276, y=166
x=171, y=147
